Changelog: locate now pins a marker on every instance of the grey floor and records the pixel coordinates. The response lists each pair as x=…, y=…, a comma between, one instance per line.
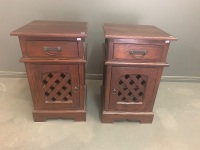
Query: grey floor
x=176, y=124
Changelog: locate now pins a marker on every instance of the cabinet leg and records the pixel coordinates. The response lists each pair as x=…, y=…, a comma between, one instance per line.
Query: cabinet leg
x=106, y=120
x=110, y=117
x=83, y=118
x=38, y=118
x=41, y=115
x=146, y=119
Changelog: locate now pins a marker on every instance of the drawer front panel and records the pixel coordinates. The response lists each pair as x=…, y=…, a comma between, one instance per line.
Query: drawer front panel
x=139, y=52
x=55, y=49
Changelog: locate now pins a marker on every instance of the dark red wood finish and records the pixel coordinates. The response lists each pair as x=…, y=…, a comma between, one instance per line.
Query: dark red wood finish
x=54, y=56
x=134, y=59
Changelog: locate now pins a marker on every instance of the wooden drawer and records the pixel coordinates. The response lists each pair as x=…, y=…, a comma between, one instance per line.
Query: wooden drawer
x=138, y=52
x=55, y=49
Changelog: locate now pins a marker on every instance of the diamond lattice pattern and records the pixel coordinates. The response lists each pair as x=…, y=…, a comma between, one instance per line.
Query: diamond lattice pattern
x=57, y=87
x=132, y=88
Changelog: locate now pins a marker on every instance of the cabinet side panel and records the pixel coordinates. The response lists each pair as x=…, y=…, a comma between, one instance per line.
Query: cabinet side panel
x=22, y=45
x=31, y=83
x=166, y=48
x=107, y=86
x=110, y=47
x=82, y=86
x=156, y=86
x=80, y=49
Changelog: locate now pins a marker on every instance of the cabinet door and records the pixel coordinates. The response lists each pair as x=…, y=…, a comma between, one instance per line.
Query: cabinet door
x=132, y=88
x=56, y=86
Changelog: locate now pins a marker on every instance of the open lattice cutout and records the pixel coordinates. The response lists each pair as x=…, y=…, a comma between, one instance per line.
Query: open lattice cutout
x=132, y=88
x=57, y=87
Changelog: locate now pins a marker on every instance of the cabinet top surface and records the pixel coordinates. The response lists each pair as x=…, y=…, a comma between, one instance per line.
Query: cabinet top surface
x=148, y=32
x=52, y=29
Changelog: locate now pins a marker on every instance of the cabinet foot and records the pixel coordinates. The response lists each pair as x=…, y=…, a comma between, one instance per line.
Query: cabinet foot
x=38, y=118
x=42, y=116
x=110, y=117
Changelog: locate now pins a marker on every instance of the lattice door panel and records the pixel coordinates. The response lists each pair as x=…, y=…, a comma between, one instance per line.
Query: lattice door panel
x=57, y=87
x=132, y=88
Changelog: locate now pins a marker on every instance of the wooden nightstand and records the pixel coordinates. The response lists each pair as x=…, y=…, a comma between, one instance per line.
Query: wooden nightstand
x=54, y=56
x=134, y=59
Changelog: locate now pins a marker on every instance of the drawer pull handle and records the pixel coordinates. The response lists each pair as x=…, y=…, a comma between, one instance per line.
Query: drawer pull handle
x=114, y=91
x=75, y=89
x=138, y=53
x=52, y=50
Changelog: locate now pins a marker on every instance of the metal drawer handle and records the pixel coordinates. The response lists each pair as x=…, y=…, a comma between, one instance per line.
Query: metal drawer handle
x=138, y=53
x=54, y=50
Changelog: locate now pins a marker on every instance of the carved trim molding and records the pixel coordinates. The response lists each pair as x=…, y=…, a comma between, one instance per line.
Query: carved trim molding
x=10, y=74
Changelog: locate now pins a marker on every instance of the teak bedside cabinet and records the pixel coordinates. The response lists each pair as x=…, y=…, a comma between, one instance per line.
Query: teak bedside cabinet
x=54, y=56
x=134, y=59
